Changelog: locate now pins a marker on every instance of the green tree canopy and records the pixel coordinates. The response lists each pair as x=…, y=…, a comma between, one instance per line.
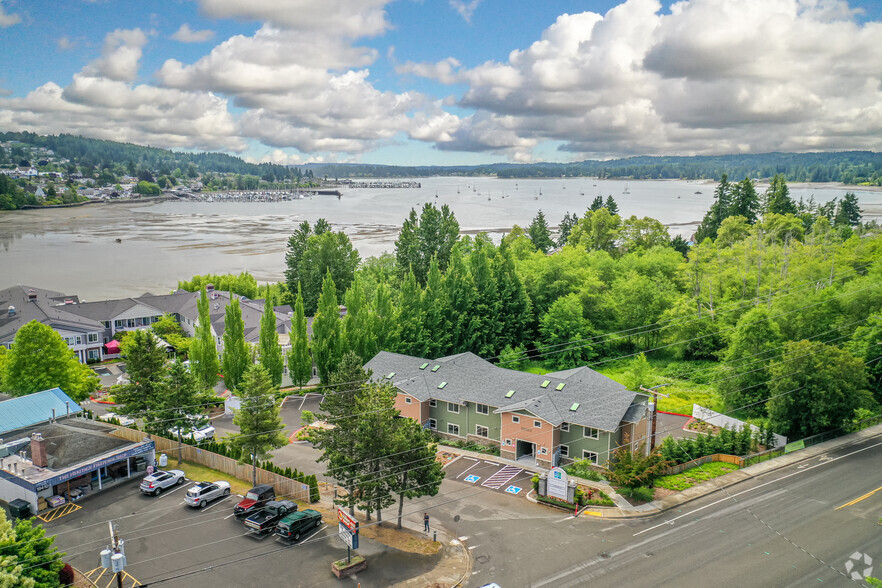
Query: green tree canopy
x=203, y=350
x=326, y=331
x=539, y=233
x=236, y=356
x=28, y=558
x=299, y=360
x=260, y=426
x=270, y=351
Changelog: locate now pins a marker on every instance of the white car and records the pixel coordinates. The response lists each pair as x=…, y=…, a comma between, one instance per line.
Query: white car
x=158, y=481
x=204, y=492
x=198, y=435
x=123, y=420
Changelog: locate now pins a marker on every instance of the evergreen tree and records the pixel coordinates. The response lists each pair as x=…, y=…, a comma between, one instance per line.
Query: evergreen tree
x=270, y=351
x=236, y=356
x=203, y=350
x=40, y=359
x=848, y=213
x=180, y=406
x=484, y=327
x=375, y=430
x=539, y=233
x=566, y=225
x=745, y=201
x=436, y=315
x=718, y=212
x=146, y=370
x=411, y=463
x=597, y=203
x=514, y=304
x=326, y=343
x=28, y=558
x=299, y=360
x=611, y=205
x=358, y=330
x=778, y=200
x=384, y=323
x=260, y=426
x=461, y=295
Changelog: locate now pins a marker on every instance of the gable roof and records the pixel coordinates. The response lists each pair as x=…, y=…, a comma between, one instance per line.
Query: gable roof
x=25, y=411
x=602, y=402
x=46, y=306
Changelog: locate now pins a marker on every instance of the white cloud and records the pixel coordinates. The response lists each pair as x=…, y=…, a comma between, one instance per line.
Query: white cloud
x=66, y=43
x=465, y=8
x=712, y=76
x=348, y=18
x=7, y=19
x=120, y=56
x=187, y=35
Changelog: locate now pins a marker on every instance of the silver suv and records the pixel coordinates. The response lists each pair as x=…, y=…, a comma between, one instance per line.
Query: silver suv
x=204, y=492
x=158, y=481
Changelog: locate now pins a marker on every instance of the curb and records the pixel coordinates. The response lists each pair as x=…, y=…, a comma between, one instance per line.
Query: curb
x=96, y=401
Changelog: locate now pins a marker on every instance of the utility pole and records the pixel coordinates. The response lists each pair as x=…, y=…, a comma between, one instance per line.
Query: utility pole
x=114, y=556
x=655, y=395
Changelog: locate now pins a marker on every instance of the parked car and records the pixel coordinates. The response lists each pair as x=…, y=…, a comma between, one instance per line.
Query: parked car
x=296, y=524
x=265, y=520
x=204, y=492
x=123, y=420
x=159, y=480
x=254, y=500
x=197, y=435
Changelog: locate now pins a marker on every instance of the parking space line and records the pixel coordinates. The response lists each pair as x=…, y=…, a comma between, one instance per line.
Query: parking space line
x=167, y=492
x=503, y=476
x=467, y=469
x=493, y=463
x=207, y=508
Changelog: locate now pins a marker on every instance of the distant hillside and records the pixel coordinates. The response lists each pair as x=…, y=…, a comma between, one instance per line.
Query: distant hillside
x=850, y=167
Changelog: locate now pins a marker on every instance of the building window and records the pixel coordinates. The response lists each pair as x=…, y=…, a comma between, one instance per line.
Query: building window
x=482, y=431
x=106, y=324
x=433, y=403
x=515, y=418
x=590, y=433
x=564, y=451
x=93, y=354
x=543, y=451
x=482, y=409
x=453, y=429
x=433, y=424
x=452, y=407
x=565, y=427
x=79, y=339
x=537, y=424
x=407, y=400
x=92, y=337
x=130, y=323
x=589, y=455
x=118, y=323
x=508, y=441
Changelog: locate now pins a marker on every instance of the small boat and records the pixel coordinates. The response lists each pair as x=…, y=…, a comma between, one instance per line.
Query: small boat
x=626, y=190
x=698, y=192
x=118, y=240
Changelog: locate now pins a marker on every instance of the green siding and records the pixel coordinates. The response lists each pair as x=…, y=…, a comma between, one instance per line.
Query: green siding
x=577, y=442
x=467, y=419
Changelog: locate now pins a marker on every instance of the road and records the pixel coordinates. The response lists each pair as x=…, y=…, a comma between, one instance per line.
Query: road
x=780, y=529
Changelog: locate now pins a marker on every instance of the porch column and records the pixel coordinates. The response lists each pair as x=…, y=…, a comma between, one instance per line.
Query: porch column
x=99, y=479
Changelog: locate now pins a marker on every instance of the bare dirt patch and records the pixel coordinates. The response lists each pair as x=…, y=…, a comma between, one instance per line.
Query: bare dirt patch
x=401, y=539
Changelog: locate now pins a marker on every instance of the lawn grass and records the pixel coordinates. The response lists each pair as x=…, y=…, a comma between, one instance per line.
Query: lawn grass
x=200, y=473
x=695, y=476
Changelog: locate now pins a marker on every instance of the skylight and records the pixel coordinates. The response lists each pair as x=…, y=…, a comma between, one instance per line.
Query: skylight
x=422, y=367
x=390, y=375
x=510, y=394
x=560, y=386
x=441, y=385
x=574, y=407
x=436, y=368
x=545, y=384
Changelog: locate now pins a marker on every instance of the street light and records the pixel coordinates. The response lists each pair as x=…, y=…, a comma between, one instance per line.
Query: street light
x=655, y=395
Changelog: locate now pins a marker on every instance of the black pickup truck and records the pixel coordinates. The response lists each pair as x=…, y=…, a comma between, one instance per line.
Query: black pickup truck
x=266, y=519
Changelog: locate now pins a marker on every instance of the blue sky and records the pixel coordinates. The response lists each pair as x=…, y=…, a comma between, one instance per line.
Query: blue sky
x=408, y=82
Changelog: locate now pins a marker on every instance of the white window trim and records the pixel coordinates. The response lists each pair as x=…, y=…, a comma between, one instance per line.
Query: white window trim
x=482, y=409
x=564, y=450
x=515, y=418
x=587, y=455
x=433, y=424
x=595, y=435
x=543, y=451
x=565, y=427
x=451, y=425
x=508, y=442
x=537, y=424
x=407, y=400
x=453, y=407
x=478, y=428
x=433, y=403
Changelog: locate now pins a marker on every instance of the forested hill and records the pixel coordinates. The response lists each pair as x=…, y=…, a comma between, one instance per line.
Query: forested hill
x=97, y=153
x=850, y=167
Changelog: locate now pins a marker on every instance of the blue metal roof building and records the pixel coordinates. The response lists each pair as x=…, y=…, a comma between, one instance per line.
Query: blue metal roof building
x=24, y=411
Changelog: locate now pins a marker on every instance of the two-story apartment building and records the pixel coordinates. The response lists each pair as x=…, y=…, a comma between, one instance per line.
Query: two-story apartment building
x=553, y=419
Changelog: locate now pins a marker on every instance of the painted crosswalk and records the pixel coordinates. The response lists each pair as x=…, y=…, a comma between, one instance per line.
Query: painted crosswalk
x=497, y=480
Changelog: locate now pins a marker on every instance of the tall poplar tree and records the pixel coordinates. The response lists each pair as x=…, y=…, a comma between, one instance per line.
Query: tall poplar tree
x=270, y=351
x=358, y=330
x=203, y=350
x=384, y=324
x=299, y=360
x=460, y=295
x=235, y=356
x=483, y=330
x=326, y=348
x=435, y=337
x=410, y=316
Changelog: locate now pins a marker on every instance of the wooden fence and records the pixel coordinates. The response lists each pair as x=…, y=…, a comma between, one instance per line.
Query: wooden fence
x=284, y=486
x=733, y=459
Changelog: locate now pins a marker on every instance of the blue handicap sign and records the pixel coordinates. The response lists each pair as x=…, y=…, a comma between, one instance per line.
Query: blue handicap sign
x=513, y=489
x=472, y=479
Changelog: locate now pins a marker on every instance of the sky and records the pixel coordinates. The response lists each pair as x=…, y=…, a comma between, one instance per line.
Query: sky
x=446, y=82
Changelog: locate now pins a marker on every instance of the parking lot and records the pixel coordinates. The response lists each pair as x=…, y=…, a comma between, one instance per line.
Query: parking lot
x=490, y=475
x=170, y=544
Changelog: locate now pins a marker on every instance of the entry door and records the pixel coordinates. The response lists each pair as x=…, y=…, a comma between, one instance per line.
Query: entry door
x=525, y=448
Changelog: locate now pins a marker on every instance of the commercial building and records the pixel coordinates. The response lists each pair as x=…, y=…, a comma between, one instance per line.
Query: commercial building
x=50, y=454
x=549, y=419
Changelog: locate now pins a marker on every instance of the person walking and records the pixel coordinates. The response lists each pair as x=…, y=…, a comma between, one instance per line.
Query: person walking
x=426, y=521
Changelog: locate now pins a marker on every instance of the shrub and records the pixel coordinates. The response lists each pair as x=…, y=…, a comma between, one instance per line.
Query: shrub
x=641, y=493
x=584, y=469
x=66, y=575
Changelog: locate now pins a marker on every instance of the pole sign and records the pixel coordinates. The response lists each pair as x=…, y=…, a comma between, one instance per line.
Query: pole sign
x=348, y=537
x=557, y=483
x=347, y=520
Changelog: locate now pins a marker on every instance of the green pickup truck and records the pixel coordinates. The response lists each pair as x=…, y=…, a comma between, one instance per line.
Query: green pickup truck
x=293, y=526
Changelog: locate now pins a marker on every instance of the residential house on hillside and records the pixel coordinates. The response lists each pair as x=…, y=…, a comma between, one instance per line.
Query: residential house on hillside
x=549, y=419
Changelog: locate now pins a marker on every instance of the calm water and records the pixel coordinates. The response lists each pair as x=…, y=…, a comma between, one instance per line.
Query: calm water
x=75, y=250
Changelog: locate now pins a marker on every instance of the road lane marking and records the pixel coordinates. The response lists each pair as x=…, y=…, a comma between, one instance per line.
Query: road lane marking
x=731, y=496
x=856, y=500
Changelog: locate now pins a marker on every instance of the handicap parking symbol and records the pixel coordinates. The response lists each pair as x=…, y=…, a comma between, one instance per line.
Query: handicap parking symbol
x=472, y=479
x=513, y=489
